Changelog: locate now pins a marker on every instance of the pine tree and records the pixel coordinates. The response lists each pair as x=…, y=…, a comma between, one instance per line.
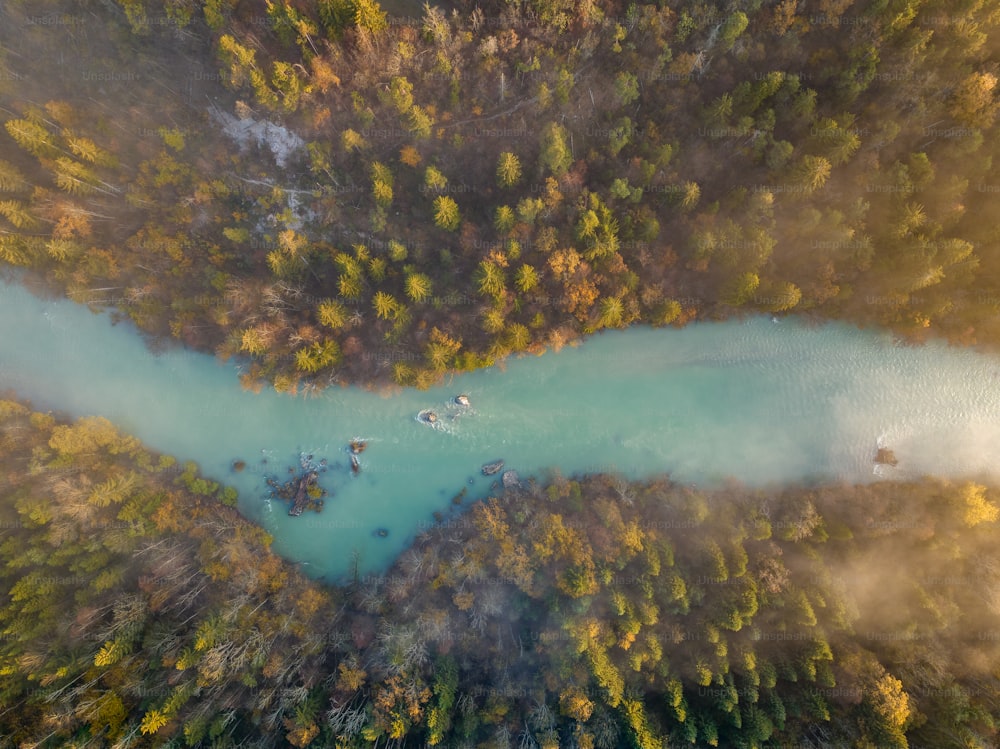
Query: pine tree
x=517, y=337
x=490, y=279
x=153, y=721
x=508, y=169
x=11, y=180
x=612, y=312
x=332, y=314
x=385, y=305
x=811, y=173
x=555, y=156
x=526, y=278
x=446, y=215
x=504, y=219
x=17, y=213
x=418, y=287
x=731, y=29
x=368, y=15
x=434, y=180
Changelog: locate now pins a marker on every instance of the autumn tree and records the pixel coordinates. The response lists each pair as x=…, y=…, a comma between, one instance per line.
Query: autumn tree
x=418, y=287
x=555, y=156
x=526, y=278
x=734, y=25
x=811, y=173
x=974, y=102
x=887, y=711
x=508, y=169
x=369, y=16
x=446, y=215
x=491, y=279
x=332, y=314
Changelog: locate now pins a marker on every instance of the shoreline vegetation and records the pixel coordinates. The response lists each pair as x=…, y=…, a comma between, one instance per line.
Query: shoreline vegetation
x=138, y=608
x=342, y=196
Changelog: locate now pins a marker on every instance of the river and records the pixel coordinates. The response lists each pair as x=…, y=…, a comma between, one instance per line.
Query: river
x=765, y=402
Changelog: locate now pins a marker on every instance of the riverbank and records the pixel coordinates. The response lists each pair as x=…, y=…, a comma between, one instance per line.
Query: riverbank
x=761, y=614
x=440, y=231
x=767, y=403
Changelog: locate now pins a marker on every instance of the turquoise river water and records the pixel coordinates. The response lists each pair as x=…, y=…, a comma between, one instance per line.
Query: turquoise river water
x=762, y=401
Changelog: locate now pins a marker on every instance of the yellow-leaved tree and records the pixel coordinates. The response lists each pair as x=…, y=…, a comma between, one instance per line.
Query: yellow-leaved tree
x=976, y=508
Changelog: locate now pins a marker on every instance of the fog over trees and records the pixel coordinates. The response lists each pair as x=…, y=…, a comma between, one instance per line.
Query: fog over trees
x=339, y=192
x=139, y=608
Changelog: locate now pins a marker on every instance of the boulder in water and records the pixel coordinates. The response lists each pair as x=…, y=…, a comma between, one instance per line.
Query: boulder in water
x=492, y=468
x=886, y=457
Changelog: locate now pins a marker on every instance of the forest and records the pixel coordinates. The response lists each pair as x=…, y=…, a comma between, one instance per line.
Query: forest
x=140, y=609
x=341, y=192
x=338, y=193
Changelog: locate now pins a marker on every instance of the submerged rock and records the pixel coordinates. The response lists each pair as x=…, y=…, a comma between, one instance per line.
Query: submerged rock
x=302, y=495
x=239, y=465
x=885, y=456
x=492, y=468
x=510, y=480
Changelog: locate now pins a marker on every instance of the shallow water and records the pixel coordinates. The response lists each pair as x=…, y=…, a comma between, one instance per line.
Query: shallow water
x=762, y=401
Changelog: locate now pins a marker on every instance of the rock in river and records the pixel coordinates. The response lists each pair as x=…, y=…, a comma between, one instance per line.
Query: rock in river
x=492, y=468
